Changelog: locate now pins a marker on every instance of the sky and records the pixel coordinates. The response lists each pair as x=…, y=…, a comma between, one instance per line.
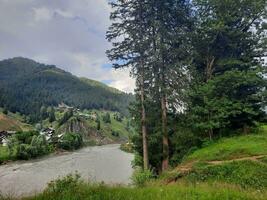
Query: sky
x=67, y=33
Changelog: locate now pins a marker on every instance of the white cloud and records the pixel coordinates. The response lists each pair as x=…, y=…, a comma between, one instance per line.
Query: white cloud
x=67, y=33
x=122, y=81
x=42, y=14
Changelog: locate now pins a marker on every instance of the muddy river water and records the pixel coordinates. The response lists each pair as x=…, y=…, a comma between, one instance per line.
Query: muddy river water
x=102, y=163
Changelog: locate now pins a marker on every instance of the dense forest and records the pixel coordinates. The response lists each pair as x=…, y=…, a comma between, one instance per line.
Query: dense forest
x=199, y=69
x=26, y=86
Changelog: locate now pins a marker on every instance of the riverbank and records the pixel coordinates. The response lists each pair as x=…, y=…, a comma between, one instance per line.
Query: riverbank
x=95, y=164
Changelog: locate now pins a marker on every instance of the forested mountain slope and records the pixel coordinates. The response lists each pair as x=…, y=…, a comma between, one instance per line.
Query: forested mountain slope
x=26, y=85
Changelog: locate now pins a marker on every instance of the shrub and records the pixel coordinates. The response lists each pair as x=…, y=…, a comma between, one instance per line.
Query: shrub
x=115, y=133
x=70, y=141
x=140, y=177
x=106, y=118
x=70, y=182
x=127, y=147
x=5, y=111
x=26, y=145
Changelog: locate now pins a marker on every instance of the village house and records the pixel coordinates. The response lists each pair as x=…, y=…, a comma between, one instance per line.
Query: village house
x=48, y=133
x=4, y=135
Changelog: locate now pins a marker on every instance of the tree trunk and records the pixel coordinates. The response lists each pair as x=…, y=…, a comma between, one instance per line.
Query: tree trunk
x=143, y=121
x=211, y=134
x=165, y=141
x=209, y=67
x=245, y=129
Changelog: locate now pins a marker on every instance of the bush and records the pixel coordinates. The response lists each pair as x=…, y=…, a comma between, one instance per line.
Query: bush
x=140, y=177
x=127, y=147
x=5, y=111
x=115, y=133
x=27, y=145
x=70, y=182
x=106, y=118
x=70, y=141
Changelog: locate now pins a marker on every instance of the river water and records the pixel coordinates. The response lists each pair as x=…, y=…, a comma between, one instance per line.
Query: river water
x=102, y=163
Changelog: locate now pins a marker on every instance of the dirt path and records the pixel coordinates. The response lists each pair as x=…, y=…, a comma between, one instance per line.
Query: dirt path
x=251, y=158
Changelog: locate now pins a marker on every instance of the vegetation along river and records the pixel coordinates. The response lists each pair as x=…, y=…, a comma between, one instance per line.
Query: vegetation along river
x=102, y=163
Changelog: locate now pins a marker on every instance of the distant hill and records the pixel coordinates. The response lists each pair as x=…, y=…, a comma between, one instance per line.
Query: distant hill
x=26, y=85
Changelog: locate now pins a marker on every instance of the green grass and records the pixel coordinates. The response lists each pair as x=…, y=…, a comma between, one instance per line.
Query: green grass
x=231, y=148
x=247, y=174
x=84, y=191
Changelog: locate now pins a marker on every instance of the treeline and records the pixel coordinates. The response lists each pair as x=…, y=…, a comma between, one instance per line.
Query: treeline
x=26, y=86
x=199, y=71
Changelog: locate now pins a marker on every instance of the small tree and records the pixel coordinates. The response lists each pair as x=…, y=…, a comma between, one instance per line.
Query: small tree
x=43, y=112
x=98, y=124
x=5, y=111
x=51, y=113
x=106, y=118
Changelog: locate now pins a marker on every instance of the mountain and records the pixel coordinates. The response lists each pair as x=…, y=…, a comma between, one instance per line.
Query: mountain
x=26, y=85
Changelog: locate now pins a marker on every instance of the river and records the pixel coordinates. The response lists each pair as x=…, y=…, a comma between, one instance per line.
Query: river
x=102, y=163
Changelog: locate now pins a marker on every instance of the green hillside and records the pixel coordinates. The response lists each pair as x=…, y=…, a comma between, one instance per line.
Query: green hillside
x=239, y=161
x=26, y=85
x=13, y=122
x=86, y=123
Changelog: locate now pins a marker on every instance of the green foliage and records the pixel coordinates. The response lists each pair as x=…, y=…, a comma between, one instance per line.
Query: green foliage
x=27, y=145
x=183, y=142
x=115, y=134
x=244, y=173
x=70, y=141
x=4, y=154
x=67, y=115
x=60, y=185
x=5, y=111
x=229, y=101
x=43, y=112
x=106, y=118
x=140, y=177
x=228, y=87
x=118, y=117
x=51, y=114
x=127, y=147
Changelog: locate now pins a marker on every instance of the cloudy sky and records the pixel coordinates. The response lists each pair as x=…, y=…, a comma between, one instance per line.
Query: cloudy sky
x=67, y=33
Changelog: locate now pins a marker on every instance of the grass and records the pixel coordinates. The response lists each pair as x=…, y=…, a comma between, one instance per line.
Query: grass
x=83, y=191
x=231, y=148
x=247, y=173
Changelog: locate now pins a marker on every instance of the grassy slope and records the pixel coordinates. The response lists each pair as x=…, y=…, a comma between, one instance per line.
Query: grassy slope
x=231, y=148
x=13, y=122
x=239, y=160
x=101, y=85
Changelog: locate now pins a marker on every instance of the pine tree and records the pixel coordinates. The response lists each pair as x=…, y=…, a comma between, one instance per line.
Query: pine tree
x=129, y=23
x=170, y=23
x=51, y=114
x=228, y=69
